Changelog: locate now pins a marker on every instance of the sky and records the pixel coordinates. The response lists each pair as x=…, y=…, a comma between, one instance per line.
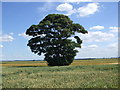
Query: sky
x=100, y=19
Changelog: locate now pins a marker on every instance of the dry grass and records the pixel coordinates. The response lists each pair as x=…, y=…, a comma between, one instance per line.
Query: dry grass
x=34, y=64
x=80, y=74
x=75, y=62
x=91, y=76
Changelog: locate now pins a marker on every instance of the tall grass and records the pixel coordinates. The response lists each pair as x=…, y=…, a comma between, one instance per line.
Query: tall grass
x=84, y=76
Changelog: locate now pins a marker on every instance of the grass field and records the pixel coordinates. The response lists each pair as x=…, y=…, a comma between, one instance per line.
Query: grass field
x=97, y=73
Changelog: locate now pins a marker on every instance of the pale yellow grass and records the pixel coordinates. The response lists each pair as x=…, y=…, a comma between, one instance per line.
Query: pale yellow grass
x=75, y=62
x=93, y=63
x=33, y=64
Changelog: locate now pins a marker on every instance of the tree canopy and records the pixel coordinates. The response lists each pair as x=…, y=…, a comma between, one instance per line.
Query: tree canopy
x=51, y=37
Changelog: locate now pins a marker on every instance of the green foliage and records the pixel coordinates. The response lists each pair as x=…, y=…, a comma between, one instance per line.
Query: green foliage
x=50, y=37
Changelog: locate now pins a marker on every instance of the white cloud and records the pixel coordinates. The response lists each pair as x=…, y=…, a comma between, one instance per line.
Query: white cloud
x=6, y=38
x=90, y=8
x=92, y=46
x=97, y=36
x=113, y=45
x=113, y=29
x=66, y=7
x=76, y=1
x=99, y=51
x=1, y=46
x=24, y=35
x=11, y=33
x=97, y=27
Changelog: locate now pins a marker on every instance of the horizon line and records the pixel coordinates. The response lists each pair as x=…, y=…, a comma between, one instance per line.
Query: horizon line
x=74, y=59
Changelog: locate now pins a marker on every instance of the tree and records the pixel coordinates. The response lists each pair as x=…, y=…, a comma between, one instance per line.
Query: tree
x=51, y=37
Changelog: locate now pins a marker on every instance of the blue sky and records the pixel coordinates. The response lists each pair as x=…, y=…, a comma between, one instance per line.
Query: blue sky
x=100, y=19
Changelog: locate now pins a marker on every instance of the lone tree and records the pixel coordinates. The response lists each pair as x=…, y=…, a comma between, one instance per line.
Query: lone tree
x=51, y=37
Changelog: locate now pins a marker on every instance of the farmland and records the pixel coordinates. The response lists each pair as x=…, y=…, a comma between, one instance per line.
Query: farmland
x=97, y=73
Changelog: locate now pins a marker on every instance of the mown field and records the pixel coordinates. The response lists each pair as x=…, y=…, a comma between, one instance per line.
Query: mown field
x=97, y=73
